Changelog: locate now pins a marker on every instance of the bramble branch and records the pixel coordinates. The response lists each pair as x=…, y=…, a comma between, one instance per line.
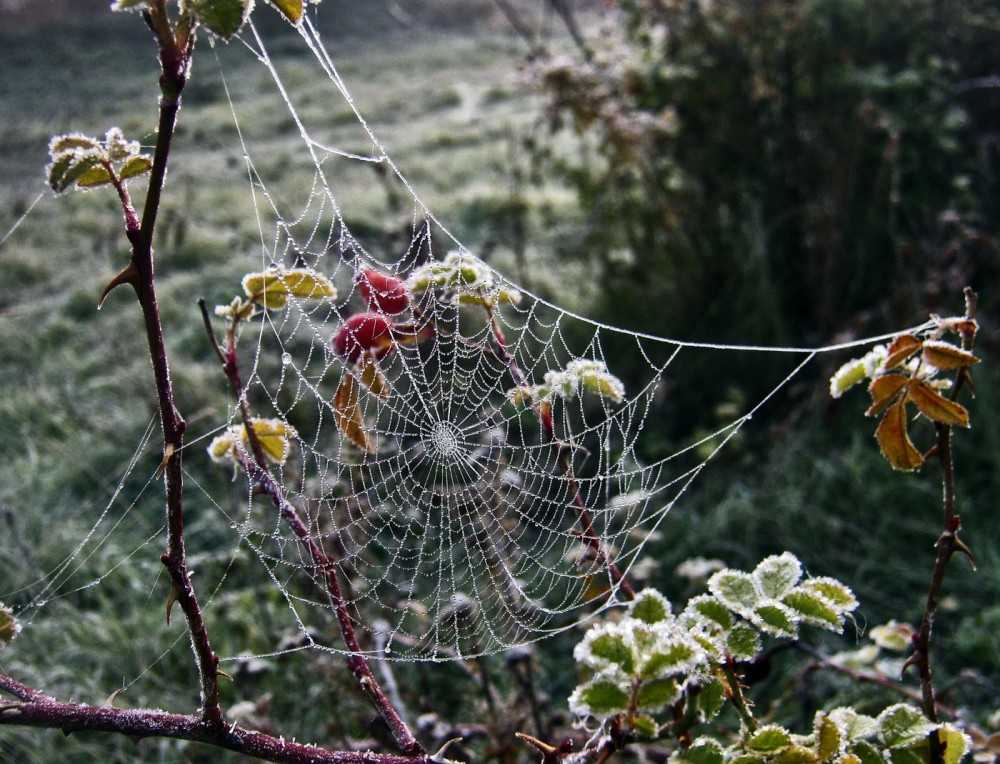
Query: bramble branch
x=254, y=465
x=36, y=709
x=140, y=273
x=947, y=544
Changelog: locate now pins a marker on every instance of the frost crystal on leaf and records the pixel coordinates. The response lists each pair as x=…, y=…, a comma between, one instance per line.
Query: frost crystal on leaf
x=9, y=626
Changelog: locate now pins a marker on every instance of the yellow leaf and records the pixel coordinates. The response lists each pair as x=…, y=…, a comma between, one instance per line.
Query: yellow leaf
x=136, y=165
x=274, y=437
x=935, y=406
x=944, y=355
x=900, y=351
x=272, y=287
x=372, y=378
x=290, y=9
x=883, y=389
x=894, y=440
x=347, y=412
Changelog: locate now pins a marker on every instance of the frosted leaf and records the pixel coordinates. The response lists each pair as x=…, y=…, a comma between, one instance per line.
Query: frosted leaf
x=901, y=725
x=769, y=738
x=271, y=288
x=607, y=646
x=743, y=643
x=777, y=575
x=649, y=606
x=892, y=636
x=654, y=694
x=605, y=695
x=774, y=618
x=736, y=590
x=814, y=608
x=704, y=750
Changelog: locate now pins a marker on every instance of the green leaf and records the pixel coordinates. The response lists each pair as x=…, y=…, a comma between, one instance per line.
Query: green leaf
x=736, y=589
x=833, y=591
x=95, y=176
x=711, y=698
x=712, y=609
x=650, y=606
x=72, y=142
x=657, y=693
x=645, y=725
x=769, y=738
x=906, y=756
x=867, y=753
x=743, y=643
x=813, y=608
x=136, y=165
x=855, y=726
x=902, y=725
x=290, y=9
x=670, y=657
x=613, y=649
x=600, y=697
x=223, y=18
x=774, y=618
x=747, y=758
x=778, y=574
x=704, y=750
x=69, y=167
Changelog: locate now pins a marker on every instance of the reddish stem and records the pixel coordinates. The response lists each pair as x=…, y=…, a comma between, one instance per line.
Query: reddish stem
x=254, y=464
x=36, y=709
x=544, y=413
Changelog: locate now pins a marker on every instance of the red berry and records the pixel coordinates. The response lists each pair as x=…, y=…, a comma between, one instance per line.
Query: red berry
x=384, y=293
x=361, y=333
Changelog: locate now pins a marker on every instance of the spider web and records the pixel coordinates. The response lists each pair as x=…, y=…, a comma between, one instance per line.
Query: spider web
x=461, y=533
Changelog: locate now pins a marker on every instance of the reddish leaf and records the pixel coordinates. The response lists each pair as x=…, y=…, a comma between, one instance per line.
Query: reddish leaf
x=894, y=440
x=347, y=412
x=935, y=406
x=884, y=390
x=944, y=355
x=900, y=351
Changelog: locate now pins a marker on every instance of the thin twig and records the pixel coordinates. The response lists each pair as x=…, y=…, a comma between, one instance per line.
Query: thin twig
x=737, y=697
x=40, y=710
x=821, y=662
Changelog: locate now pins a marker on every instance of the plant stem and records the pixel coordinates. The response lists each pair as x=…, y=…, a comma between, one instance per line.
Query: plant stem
x=564, y=458
x=945, y=547
x=37, y=709
x=143, y=279
x=737, y=697
x=255, y=467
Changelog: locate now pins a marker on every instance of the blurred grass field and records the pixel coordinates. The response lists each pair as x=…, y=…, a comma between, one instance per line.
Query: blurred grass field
x=448, y=99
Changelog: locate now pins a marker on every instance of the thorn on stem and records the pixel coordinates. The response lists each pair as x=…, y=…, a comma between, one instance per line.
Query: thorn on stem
x=110, y=701
x=127, y=275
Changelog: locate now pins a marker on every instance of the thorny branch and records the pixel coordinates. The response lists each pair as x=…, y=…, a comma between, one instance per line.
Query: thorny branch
x=945, y=547
x=34, y=708
x=140, y=273
x=255, y=466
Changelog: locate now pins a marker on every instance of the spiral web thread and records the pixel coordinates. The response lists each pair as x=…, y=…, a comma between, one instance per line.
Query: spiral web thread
x=460, y=535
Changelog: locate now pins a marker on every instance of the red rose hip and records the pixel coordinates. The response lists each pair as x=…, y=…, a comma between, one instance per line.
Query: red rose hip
x=384, y=293
x=364, y=333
